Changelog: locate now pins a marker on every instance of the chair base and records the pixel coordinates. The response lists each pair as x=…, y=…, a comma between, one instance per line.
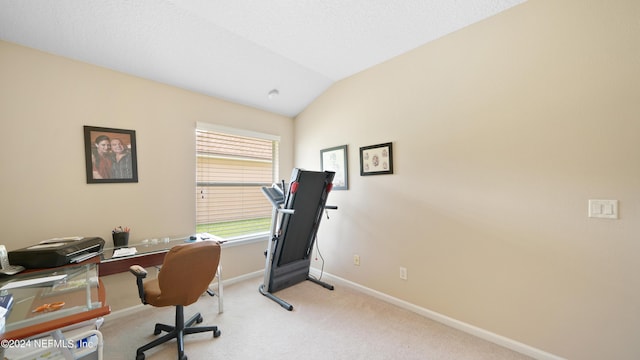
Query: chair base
x=177, y=332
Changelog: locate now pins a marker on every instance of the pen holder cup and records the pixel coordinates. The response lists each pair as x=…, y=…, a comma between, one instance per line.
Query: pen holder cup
x=120, y=239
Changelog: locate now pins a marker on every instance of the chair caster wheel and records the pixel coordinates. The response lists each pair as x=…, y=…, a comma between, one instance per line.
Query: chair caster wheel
x=215, y=334
x=199, y=319
x=140, y=356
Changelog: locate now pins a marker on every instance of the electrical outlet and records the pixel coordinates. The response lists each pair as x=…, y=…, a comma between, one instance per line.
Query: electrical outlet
x=403, y=273
x=356, y=260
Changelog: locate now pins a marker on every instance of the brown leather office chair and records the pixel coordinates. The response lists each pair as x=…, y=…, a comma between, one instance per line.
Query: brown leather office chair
x=186, y=273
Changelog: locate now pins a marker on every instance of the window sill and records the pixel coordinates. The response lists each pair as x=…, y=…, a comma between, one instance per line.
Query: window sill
x=245, y=240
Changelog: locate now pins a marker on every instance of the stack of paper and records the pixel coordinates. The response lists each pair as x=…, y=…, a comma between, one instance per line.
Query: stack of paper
x=29, y=282
x=125, y=252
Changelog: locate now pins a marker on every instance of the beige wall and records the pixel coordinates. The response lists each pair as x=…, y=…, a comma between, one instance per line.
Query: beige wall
x=501, y=134
x=44, y=102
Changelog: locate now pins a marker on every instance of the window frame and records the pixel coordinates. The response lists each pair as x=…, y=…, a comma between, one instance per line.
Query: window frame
x=245, y=239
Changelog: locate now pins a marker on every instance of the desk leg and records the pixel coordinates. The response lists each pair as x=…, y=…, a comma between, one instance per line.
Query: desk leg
x=219, y=291
x=65, y=350
x=220, y=300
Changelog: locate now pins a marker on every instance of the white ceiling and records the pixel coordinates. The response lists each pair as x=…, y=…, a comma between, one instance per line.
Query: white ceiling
x=239, y=50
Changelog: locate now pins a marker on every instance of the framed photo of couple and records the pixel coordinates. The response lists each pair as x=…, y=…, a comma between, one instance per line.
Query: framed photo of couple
x=110, y=155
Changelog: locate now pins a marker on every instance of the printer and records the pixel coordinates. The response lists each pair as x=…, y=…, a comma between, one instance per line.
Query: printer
x=57, y=252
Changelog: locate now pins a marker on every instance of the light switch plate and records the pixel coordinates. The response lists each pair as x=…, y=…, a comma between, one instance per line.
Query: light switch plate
x=607, y=209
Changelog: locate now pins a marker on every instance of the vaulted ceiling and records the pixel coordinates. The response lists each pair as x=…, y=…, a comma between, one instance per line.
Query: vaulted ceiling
x=239, y=50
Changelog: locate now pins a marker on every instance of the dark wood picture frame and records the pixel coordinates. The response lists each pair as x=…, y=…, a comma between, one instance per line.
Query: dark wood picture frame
x=110, y=155
x=335, y=159
x=376, y=159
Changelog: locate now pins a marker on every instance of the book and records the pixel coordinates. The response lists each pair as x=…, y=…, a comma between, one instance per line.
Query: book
x=6, y=302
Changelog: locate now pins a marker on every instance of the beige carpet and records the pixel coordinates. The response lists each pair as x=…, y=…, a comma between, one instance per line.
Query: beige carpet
x=339, y=324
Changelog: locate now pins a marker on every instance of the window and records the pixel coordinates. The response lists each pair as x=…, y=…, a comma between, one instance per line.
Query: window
x=231, y=167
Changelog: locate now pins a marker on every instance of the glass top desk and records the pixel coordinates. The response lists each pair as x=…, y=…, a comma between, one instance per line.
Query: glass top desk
x=50, y=299
x=148, y=253
x=151, y=253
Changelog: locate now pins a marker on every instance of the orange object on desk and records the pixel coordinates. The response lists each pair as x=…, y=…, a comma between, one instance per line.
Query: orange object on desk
x=49, y=307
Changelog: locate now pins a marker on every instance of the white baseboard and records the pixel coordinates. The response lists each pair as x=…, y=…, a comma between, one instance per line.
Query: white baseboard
x=237, y=279
x=114, y=315
x=443, y=319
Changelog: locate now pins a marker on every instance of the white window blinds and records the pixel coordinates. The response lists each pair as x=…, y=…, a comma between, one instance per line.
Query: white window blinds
x=230, y=170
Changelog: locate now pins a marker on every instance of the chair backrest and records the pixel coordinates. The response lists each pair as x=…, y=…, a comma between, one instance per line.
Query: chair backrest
x=187, y=271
